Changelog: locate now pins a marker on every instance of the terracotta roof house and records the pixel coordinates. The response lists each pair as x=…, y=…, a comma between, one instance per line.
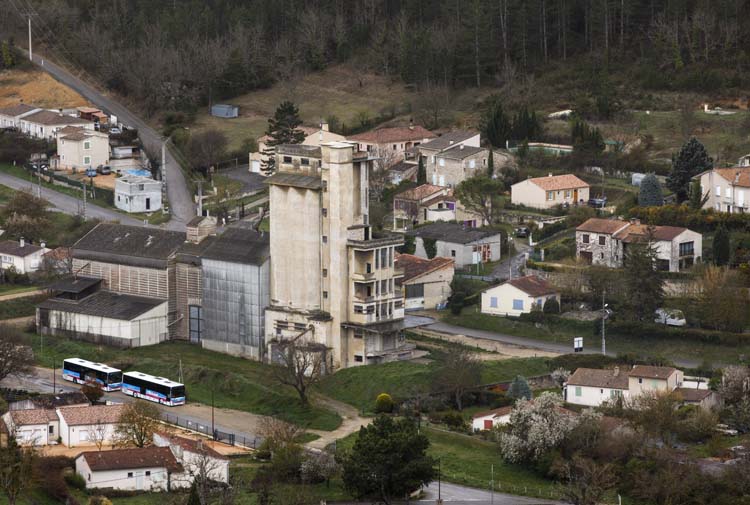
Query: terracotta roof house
x=10, y=116
x=518, y=296
x=727, y=189
x=37, y=427
x=547, y=192
x=393, y=140
x=44, y=124
x=82, y=426
x=195, y=455
x=426, y=282
x=490, y=418
x=606, y=241
x=140, y=469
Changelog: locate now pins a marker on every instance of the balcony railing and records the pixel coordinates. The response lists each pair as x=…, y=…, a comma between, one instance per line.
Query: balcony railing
x=363, y=276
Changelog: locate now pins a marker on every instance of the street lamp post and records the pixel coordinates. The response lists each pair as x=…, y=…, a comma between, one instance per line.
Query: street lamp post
x=605, y=315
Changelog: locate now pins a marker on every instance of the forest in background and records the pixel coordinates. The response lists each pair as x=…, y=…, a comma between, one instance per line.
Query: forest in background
x=179, y=54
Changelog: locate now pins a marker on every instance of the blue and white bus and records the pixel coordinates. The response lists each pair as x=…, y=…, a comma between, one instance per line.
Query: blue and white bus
x=155, y=389
x=81, y=371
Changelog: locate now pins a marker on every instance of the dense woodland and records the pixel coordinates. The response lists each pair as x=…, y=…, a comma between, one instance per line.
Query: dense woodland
x=175, y=54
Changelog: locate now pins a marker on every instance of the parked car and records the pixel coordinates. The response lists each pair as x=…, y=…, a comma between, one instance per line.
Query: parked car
x=90, y=172
x=115, y=131
x=670, y=317
x=104, y=169
x=598, y=202
x=522, y=232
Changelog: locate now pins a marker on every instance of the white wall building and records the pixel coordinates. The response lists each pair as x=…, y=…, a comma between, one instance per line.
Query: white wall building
x=78, y=147
x=134, y=193
x=491, y=419
x=727, y=189
x=23, y=257
x=84, y=426
x=10, y=116
x=141, y=469
x=38, y=427
x=518, y=296
x=44, y=124
x=546, y=192
x=463, y=245
x=196, y=457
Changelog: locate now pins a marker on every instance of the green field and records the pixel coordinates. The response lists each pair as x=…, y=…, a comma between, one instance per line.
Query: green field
x=236, y=383
x=359, y=386
x=563, y=331
x=12, y=289
x=20, y=307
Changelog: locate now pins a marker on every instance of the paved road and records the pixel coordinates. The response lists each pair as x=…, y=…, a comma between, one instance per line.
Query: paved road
x=592, y=345
x=458, y=495
x=501, y=270
x=66, y=203
x=42, y=382
x=180, y=197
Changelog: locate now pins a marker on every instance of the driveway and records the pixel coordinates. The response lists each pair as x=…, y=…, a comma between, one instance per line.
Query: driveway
x=180, y=197
x=516, y=262
x=68, y=204
x=458, y=495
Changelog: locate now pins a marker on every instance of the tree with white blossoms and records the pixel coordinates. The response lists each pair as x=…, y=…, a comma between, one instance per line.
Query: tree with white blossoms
x=536, y=427
x=560, y=376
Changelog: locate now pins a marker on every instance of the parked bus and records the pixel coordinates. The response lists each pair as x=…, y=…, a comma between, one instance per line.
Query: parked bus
x=156, y=389
x=81, y=371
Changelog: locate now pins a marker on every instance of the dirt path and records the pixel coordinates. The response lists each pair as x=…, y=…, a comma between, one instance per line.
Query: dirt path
x=22, y=294
x=351, y=421
x=497, y=350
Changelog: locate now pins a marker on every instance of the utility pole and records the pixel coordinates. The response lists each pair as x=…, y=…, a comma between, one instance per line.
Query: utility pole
x=164, y=174
x=213, y=430
x=54, y=376
x=200, y=197
x=492, y=485
x=440, y=472
x=31, y=55
x=604, y=320
x=84, y=198
x=39, y=179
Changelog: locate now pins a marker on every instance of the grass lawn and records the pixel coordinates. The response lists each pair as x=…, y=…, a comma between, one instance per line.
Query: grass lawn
x=20, y=307
x=468, y=460
x=359, y=386
x=237, y=383
x=563, y=332
x=11, y=289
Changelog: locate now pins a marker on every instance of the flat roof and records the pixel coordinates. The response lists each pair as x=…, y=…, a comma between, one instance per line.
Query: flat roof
x=96, y=366
x=152, y=378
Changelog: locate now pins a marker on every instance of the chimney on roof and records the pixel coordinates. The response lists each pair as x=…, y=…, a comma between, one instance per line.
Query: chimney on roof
x=60, y=112
x=324, y=126
x=549, y=175
x=617, y=371
x=461, y=146
x=22, y=242
x=635, y=220
x=411, y=124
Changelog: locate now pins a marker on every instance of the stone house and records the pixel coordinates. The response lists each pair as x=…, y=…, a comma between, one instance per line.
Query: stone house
x=391, y=141
x=605, y=242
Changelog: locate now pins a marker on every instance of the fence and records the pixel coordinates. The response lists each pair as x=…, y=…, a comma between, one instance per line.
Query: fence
x=220, y=436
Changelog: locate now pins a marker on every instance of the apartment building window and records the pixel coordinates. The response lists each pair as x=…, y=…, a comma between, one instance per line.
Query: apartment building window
x=384, y=286
x=299, y=327
x=358, y=358
x=304, y=161
x=87, y=160
x=550, y=195
x=585, y=238
x=325, y=272
x=87, y=145
x=325, y=239
x=602, y=240
x=195, y=323
x=324, y=211
x=325, y=295
x=287, y=159
x=453, y=253
x=358, y=310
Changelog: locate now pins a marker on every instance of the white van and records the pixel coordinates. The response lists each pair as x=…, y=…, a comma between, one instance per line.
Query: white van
x=670, y=317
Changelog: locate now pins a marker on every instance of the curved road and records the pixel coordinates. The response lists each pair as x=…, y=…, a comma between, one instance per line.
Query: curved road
x=180, y=197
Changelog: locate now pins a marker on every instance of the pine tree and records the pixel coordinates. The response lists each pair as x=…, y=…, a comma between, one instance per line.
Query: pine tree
x=282, y=129
x=644, y=288
x=650, y=193
x=519, y=388
x=495, y=124
x=421, y=172
x=491, y=164
x=585, y=138
x=689, y=162
x=721, y=246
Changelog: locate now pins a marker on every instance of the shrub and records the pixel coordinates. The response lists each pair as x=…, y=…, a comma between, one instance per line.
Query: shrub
x=384, y=403
x=551, y=306
x=454, y=421
x=519, y=388
x=99, y=500
x=75, y=481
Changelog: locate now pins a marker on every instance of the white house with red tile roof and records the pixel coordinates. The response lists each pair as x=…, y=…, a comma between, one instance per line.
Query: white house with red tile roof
x=546, y=192
x=138, y=469
x=196, y=456
x=518, y=296
x=426, y=282
x=491, y=418
x=393, y=140
x=83, y=426
x=37, y=427
x=605, y=242
x=727, y=189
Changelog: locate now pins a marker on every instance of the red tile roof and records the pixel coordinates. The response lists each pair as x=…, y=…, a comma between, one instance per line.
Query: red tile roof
x=557, y=182
x=694, y=395
x=32, y=416
x=533, y=285
x=641, y=233
x=126, y=459
x=192, y=445
x=420, y=192
x=393, y=134
x=652, y=372
x=593, y=377
x=415, y=266
x=607, y=226
x=82, y=416
x=739, y=176
x=499, y=412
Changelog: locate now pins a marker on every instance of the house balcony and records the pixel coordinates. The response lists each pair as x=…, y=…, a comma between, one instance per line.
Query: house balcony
x=363, y=276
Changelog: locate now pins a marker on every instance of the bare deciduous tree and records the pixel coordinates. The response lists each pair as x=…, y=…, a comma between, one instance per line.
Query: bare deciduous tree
x=98, y=435
x=460, y=372
x=138, y=423
x=300, y=364
x=16, y=358
x=586, y=481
